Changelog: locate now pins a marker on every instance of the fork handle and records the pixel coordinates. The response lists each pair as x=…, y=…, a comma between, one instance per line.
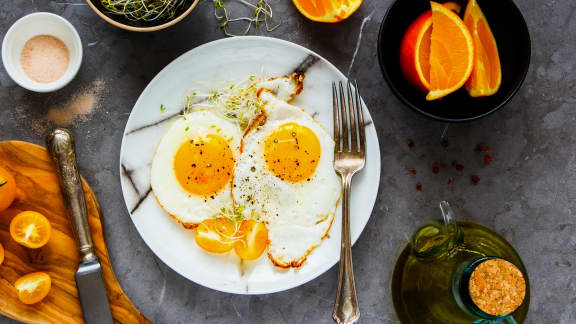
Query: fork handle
x=346, y=310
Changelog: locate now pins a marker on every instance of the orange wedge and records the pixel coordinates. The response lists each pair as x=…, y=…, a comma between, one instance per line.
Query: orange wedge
x=328, y=11
x=415, y=49
x=451, y=52
x=487, y=74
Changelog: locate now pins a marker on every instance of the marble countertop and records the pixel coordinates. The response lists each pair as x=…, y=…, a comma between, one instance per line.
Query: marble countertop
x=527, y=193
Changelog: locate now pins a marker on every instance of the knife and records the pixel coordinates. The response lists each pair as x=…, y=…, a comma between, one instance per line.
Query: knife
x=89, y=280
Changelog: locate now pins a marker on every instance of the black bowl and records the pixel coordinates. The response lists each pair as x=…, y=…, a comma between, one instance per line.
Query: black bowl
x=512, y=37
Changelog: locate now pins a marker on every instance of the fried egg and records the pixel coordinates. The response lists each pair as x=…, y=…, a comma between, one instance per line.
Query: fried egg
x=193, y=167
x=285, y=178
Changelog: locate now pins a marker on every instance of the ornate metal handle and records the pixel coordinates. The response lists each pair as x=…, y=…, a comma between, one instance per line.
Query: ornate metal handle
x=60, y=144
x=346, y=310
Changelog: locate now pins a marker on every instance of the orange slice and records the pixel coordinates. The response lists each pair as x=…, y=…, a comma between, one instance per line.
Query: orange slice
x=329, y=11
x=451, y=52
x=30, y=229
x=254, y=240
x=7, y=189
x=216, y=235
x=415, y=49
x=487, y=74
x=33, y=287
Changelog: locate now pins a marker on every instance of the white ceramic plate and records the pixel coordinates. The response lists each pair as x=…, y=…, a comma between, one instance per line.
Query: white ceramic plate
x=231, y=59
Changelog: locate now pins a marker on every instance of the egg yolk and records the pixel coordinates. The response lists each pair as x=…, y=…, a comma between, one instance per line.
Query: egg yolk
x=292, y=152
x=203, y=166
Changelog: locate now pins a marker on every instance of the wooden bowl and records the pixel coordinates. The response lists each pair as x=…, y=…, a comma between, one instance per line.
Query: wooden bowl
x=95, y=5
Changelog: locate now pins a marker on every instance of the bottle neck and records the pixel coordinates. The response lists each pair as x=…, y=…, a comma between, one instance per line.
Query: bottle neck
x=438, y=239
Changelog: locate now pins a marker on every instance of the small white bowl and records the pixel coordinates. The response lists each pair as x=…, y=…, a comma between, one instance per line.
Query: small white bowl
x=40, y=23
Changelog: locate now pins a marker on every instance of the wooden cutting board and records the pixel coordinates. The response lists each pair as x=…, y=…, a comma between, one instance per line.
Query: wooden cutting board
x=38, y=190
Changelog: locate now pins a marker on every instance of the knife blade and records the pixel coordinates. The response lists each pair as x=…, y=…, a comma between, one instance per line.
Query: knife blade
x=89, y=279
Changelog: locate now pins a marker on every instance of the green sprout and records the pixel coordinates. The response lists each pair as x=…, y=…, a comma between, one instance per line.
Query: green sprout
x=262, y=12
x=238, y=102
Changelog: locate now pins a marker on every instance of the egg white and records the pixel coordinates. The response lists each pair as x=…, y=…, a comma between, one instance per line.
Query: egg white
x=298, y=215
x=284, y=88
x=187, y=208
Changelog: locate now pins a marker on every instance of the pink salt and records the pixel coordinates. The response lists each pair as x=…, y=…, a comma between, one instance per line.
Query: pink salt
x=44, y=58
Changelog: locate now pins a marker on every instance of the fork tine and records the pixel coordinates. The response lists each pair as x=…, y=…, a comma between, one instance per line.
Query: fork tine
x=359, y=109
x=343, y=113
x=335, y=110
x=352, y=108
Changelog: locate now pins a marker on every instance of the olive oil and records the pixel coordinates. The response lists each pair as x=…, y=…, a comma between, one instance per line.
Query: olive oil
x=427, y=269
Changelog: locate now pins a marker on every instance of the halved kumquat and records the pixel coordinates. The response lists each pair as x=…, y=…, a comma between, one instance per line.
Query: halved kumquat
x=329, y=11
x=253, y=241
x=451, y=52
x=486, y=75
x=30, y=229
x=216, y=235
x=33, y=287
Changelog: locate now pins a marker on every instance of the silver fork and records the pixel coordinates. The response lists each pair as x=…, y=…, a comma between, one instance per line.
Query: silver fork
x=349, y=158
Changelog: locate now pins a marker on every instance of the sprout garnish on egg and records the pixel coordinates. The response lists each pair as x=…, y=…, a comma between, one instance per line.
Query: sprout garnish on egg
x=237, y=102
x=234, y=216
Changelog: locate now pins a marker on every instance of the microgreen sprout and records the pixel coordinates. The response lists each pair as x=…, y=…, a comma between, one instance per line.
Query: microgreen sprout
x=235, y=216
x=162, y=108
x=261, y=12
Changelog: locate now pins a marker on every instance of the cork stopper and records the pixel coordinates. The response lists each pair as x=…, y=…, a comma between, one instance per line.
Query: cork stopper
x=497, y=287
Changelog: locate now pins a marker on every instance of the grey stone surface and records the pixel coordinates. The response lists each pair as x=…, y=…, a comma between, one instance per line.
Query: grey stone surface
x=527, y=194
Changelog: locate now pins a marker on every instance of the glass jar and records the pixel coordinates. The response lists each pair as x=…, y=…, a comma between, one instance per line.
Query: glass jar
x=431, y=277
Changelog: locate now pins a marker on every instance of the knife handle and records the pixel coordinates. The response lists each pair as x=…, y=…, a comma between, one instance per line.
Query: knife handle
x=61, y=146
